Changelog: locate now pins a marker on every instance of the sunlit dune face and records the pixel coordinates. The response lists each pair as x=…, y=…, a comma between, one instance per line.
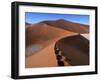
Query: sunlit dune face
x=86, y=35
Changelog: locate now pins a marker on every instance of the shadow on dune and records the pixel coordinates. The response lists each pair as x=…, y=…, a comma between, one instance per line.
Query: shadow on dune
x=75, y=49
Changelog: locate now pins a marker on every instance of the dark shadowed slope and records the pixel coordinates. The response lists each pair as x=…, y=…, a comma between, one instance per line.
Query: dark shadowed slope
x=75, y=49
x=67, y=25
x=26, y=24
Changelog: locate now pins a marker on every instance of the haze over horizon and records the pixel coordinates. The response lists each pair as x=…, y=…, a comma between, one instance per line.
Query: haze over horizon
x=33, y=18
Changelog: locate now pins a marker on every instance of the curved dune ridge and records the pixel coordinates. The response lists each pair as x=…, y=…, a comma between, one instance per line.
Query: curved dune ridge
x=42, y=37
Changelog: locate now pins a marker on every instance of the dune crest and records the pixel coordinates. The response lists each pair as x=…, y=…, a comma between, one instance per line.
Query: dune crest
x=68, y=25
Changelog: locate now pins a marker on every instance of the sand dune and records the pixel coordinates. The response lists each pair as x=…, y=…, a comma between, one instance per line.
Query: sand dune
x=42, y=37
x=27, y=24
x=46, y=37
x=42, y=32
x=67, y=25
x=46, y=57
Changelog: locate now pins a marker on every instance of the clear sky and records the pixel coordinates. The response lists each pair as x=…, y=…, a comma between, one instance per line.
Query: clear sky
x=31, y=17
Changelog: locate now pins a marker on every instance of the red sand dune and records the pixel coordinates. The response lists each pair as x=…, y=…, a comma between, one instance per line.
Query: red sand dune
x=46, y=34
x=67, y=25
x=38, y=33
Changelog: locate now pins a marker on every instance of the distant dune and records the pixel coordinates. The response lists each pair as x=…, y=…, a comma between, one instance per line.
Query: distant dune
x=67, y=25
x=42, y=37
x=27, y=24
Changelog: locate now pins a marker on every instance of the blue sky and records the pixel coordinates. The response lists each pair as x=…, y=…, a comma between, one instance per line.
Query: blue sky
x=31, y=17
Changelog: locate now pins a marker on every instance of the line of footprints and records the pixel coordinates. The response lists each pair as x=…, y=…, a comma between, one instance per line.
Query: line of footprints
x=60, y=58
